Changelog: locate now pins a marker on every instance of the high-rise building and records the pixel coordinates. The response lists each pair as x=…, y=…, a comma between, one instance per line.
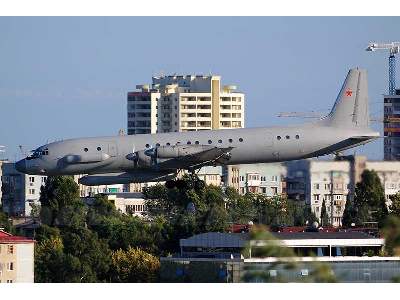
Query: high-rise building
x=392, y=126
x=184, y=103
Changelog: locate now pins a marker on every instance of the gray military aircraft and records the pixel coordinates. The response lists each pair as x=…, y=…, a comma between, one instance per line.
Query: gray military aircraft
x=159, y=157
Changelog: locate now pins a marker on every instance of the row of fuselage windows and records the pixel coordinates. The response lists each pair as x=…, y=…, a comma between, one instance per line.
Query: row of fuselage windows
x=87, y=149
x=196, y=142
x=287, y=137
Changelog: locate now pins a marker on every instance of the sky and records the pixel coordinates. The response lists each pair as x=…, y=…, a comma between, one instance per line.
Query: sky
x=66, y=77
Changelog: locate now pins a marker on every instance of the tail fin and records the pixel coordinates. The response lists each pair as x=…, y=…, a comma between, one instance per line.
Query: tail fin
x=351, y=106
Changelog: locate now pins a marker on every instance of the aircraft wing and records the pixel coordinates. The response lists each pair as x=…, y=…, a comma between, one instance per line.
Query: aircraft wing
x=197, y=160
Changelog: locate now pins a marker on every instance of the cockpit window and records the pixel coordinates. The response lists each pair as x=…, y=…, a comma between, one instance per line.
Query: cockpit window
x=35, y=154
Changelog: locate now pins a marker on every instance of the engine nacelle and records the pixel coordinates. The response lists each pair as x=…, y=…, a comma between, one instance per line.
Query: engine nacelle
x=85, y=158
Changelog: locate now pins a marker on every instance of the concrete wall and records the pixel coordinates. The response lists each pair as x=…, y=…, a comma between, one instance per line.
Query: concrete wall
x=25, y=262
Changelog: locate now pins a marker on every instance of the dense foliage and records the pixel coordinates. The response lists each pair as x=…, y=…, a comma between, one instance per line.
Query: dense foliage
x=79, y=243
x=369, y=202
x=96, y=243
x=5, y=222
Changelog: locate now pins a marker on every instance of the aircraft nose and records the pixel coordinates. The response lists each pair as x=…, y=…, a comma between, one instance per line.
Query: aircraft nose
x=21, y=166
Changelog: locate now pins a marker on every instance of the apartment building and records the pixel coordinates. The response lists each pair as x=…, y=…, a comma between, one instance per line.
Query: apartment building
x=389, y=174
x=20, y=191
x=88, y=191
x=126, y=203
x=184, y=103
x=16, y=258
x=313, y=181
x=391, y=128
x=178, y=103
x=267, y=179
x=211, y=175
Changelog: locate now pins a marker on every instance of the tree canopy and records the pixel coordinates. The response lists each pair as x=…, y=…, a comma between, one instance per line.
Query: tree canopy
x=369, y=202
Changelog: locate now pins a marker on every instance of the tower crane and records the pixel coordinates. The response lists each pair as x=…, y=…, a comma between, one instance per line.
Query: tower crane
x=394, y=48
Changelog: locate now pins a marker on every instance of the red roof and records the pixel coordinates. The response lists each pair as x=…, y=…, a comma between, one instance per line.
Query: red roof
x=8, y=238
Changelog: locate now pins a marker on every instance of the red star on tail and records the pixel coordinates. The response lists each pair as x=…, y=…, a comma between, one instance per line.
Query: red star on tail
x=349, y=93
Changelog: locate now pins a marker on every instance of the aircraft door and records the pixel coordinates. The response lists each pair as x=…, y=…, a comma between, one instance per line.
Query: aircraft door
x=272, y=153
x=112, y=149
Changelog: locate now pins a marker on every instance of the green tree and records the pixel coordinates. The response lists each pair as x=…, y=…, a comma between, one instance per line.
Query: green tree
x=134, y=265
x=349, y=214
x=49, y=260
x=241, y=209
x=324, y=214
x=395, y=205
x=89, y=256
x=391, y=232
x=309, y=215
x=369, y=200
x=57, y=196
x=6, y=223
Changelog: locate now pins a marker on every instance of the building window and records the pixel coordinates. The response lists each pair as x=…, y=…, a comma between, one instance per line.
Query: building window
x=273, y=273
x=10, y=249
x=10, y=266
x=31, y=179
x=31, y=191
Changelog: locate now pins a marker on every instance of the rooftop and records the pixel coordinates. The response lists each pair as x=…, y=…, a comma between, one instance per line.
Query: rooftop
x=8, y=238
x=218, y=239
